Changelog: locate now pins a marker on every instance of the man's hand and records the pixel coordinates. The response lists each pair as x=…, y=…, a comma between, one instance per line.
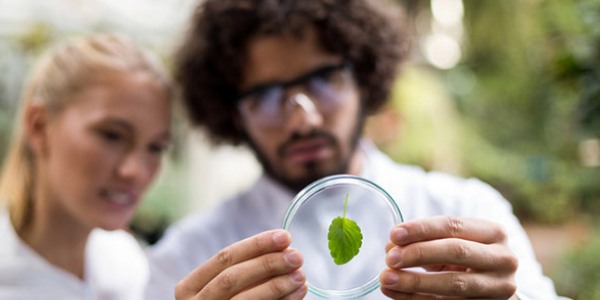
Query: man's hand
x=464, y=258
x=259, y=267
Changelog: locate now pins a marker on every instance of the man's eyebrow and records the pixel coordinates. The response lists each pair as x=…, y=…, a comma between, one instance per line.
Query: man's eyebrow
x=258, y=87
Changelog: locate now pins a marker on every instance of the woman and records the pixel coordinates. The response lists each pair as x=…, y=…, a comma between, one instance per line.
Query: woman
x=95, y=118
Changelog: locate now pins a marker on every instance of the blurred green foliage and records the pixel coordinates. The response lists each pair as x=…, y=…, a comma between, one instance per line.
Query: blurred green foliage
x=537, y=98
x=5, y=128
x=526, y=95
x=579, y=277
x=29, y=44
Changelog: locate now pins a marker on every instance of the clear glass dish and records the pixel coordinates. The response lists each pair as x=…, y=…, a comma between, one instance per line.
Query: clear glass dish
x=308, y=219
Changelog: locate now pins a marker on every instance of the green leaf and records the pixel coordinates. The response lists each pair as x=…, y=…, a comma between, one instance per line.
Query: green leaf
x=345, y=238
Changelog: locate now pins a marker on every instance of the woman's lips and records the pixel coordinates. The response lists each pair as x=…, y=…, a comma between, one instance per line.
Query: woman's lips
x=118, y=198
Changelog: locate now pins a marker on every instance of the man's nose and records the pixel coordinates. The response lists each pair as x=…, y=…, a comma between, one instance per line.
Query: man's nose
x=303, y=114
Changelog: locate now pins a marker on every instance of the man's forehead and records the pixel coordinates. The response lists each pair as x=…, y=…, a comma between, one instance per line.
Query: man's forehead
x=281, y=57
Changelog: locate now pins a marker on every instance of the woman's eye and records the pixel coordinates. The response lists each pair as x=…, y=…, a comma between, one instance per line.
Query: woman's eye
x=111, y=136
x=157, y=148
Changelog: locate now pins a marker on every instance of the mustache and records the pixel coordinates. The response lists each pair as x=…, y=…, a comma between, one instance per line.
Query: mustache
x=296, y=137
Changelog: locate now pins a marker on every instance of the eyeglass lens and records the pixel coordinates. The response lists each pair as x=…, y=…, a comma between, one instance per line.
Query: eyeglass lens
x=324, y=87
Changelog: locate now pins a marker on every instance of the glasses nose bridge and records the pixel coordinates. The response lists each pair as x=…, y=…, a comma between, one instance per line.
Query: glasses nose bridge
x=290, y=89
x=301, y=100
x=294, y=88
x=301, y=112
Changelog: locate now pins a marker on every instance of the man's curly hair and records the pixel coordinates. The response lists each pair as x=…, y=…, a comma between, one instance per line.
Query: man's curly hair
x=208, y=65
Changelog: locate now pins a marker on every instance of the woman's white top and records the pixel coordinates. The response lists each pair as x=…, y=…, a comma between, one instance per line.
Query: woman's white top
x=115, y=269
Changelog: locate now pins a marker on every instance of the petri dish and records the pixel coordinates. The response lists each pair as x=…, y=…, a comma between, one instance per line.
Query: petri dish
x=308, y=219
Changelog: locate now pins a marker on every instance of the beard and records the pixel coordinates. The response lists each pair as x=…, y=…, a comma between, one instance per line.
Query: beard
x=313, y=170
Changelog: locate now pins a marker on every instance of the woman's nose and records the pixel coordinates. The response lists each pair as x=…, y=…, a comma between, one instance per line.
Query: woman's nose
x=135, y=167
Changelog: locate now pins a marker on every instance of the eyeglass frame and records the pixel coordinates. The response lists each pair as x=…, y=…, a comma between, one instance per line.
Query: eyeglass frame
x=302, y=80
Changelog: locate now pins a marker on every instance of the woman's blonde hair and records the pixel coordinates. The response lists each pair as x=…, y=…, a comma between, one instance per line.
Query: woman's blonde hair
x=59, y=74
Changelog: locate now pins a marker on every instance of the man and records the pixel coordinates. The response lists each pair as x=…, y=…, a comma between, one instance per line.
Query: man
x=295, y=80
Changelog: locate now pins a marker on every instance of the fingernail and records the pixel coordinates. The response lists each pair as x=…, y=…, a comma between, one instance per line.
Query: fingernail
x=293, y=258
x=394, y=257
x=297, y=276
x=390, y=278
x=300, y=292
x=280, y=237
x=399, y=235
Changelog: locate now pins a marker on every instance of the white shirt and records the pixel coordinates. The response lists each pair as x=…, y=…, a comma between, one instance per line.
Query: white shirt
x=115, y=269
x=419, y=194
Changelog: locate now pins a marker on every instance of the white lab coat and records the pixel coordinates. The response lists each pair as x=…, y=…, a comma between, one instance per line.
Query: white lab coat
x=419, y=194
x=116, y=268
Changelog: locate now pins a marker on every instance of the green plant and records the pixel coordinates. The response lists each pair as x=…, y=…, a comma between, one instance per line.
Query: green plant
x=345, y=237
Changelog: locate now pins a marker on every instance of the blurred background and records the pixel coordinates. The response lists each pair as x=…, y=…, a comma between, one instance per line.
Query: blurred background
x=506, y=91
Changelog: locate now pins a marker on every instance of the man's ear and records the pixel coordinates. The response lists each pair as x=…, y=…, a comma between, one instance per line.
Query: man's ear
x=36, y=128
